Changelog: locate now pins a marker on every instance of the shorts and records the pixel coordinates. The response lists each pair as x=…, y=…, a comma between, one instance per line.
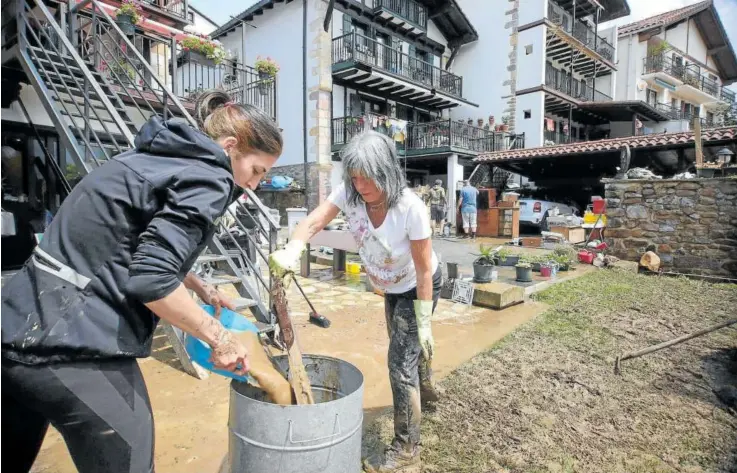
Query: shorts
x=469, y=219
x=437, y=212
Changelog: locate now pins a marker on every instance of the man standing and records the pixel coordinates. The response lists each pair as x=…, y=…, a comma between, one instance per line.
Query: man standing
x=467, y=206
x=437, y=205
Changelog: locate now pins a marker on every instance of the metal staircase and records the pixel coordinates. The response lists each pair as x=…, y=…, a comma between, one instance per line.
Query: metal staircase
x=97, y=89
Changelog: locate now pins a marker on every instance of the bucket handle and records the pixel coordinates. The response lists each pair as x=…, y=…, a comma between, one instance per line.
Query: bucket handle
x=326, y=437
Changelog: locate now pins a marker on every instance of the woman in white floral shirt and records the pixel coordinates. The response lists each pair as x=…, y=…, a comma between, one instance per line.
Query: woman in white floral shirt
x=392, y=231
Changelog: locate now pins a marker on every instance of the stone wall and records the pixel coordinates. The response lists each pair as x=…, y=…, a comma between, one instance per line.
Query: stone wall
x=692, y=223
x=283, y=200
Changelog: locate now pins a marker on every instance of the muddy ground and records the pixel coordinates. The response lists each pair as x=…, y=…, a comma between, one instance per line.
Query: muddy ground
x=546, y=399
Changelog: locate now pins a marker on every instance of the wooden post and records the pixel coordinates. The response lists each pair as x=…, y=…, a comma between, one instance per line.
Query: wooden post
x=697, y=141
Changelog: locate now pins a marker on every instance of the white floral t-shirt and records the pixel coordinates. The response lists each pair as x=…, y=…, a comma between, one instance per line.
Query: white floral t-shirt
x=385, y=251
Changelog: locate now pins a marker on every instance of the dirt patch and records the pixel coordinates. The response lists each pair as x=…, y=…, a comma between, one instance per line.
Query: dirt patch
x=545, y=399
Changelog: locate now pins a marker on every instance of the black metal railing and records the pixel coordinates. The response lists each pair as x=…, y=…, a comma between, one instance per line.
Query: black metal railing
x=356, y=47
x=563, y=82
x=345, y=128
x=559, y=138
x=174, y=7
x=430, y=135
x=671, y=112
x=455, y=134
x=580, y=30
x=196, y=73
x=727, y=95
x=408, y=10
x=688, y=74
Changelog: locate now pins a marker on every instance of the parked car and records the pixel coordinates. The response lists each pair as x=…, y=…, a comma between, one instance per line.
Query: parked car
x=534, y=212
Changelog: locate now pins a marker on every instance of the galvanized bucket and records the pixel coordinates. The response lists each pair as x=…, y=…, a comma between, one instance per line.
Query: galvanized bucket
x=321, y=438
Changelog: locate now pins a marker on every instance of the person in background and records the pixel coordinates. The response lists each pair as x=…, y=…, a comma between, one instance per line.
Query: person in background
x=467, y=206
x=392, y=231
x=437, y=205
x=114, y=261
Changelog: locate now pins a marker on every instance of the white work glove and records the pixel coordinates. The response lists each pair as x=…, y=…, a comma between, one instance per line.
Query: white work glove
x=423, y=314
x=286, y=260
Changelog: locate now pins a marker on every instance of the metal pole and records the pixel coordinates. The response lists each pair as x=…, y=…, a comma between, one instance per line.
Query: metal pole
x=596, y=43
x=243, y=45
x=570, y=78
x=186, y=10
x=174, y=78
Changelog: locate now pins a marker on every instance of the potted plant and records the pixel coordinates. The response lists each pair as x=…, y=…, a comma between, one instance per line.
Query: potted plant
x=203, y=50
x=267, y=70
x=122, y=71
x=483, y=265
x=565, y=256
x=524, y=272
x=506, y=258
x=504, y=127
x=128, y=15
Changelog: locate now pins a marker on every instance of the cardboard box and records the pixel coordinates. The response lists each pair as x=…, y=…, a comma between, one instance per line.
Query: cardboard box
x=572, y=234
x=531, y=242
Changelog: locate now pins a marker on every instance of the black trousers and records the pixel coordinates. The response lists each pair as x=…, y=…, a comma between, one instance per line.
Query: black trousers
x=407, y=366
x=101, y=408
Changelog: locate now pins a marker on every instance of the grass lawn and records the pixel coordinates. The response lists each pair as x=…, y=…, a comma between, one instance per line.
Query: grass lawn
x=546, y=398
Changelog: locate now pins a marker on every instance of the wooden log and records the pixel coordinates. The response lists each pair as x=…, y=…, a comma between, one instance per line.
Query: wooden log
x=298, y=378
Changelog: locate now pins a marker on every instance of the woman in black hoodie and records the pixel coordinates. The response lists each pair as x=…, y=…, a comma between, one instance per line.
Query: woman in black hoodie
x=114, y=260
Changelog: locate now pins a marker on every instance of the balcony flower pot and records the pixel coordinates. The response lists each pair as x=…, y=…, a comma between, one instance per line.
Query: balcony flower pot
x=125, y=23
x=504, y=128
x=264, y=82
x=482, y=270
x=524, y=272
x=197, y=57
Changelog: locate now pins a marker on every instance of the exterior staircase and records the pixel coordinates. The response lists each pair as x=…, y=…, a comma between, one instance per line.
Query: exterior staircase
x=97, y=89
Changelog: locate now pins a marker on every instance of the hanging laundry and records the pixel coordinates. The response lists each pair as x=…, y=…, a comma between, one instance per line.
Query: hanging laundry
x=565, y=128
x=638, y=123
x=549, y=124
x=397, y=129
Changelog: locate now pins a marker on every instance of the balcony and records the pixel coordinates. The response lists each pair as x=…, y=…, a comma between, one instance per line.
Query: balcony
x=581, y=31
x=404, y=14
x=577, y=90
x=437, y=137
x=196, y=73
x=690, y=84
x=553, y=138
x=174, y=8
x=364, y=63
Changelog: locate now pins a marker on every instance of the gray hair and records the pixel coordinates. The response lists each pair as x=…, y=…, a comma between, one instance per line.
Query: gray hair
x=374, y=156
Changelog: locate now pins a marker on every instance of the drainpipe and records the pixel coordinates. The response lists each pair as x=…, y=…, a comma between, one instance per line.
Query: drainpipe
x=570, y=79
x=304, y=97
x=629, y=61
x=243, y=47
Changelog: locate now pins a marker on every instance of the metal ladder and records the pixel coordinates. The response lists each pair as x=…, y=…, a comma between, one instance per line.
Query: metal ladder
x=90, y=110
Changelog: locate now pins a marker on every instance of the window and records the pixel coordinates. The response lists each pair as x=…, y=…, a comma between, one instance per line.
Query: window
x=651, y=97
x=674, y=104
x=190, y=16
x=528, y=114
x=528, y=49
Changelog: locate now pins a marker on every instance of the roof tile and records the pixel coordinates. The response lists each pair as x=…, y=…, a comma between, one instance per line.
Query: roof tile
x=612, y=144
x=663, y=18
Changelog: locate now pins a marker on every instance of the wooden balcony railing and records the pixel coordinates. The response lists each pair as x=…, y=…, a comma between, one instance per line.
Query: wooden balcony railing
x=356, y=47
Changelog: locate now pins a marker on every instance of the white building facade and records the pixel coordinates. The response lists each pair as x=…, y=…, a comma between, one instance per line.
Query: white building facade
x=679, y=62
x=386, y=65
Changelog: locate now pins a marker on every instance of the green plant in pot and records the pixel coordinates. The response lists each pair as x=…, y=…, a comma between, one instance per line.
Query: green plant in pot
x=211, y=51
x=122, y=71
x=506, y=258
x=565, y=256
x=267, y=70
x=484, y=265
x=524, y=271
x=128, y=15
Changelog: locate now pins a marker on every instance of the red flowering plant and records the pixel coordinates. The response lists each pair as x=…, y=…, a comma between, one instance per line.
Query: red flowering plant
x=211, y=49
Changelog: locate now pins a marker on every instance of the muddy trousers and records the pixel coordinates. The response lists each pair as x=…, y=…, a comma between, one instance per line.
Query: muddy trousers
x=406, y=363
x=101, y=408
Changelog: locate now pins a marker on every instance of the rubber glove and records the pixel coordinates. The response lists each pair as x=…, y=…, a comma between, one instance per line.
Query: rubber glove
x=423, y=314
x=286, y=260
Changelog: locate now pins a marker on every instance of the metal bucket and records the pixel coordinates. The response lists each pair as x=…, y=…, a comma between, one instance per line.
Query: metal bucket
x=324, y=437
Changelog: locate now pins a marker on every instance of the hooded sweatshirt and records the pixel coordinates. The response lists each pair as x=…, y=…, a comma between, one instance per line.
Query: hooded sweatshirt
x=127, y=234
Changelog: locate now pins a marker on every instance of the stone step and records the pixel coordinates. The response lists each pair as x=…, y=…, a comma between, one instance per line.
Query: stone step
x=497, y=295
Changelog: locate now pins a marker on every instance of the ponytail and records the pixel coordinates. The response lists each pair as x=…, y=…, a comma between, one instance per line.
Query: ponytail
x=218, y=116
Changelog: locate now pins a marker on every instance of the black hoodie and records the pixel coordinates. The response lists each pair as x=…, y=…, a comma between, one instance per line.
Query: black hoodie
x=127, y=234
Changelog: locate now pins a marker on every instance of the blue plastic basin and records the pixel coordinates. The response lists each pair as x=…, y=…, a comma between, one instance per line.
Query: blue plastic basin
x=200, y=351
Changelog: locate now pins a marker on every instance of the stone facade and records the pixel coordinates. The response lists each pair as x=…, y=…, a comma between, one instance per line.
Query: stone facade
x=691, y=223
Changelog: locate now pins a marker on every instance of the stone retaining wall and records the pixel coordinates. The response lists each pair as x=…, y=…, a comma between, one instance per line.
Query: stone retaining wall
x=692, y=223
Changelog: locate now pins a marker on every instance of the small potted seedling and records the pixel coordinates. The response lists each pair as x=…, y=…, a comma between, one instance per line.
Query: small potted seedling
x=484, y=265
x=524, y=270
x=506, y=258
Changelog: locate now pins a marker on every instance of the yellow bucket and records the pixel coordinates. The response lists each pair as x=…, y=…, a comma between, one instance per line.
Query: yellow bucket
x=352, y=268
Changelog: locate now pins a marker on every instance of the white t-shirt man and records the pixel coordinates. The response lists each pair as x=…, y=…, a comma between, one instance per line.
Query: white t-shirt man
x=385, y=251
